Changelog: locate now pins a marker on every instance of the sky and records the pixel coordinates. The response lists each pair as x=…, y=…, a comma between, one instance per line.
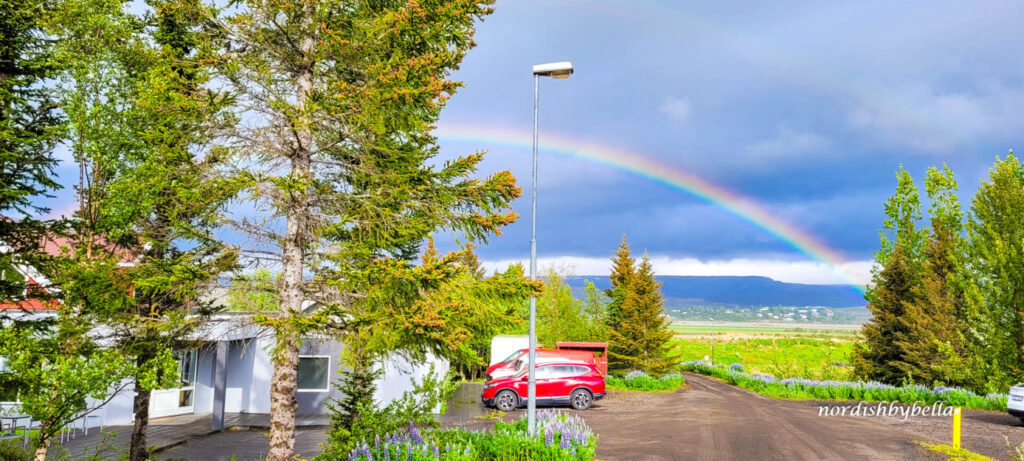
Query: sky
x=802, y=111
x=784, y=122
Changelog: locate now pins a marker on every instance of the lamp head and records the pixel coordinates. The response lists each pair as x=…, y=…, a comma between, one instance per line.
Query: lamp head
x=557, y=70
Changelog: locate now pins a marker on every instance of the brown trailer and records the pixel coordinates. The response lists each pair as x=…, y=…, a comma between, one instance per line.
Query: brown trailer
x=600, y=351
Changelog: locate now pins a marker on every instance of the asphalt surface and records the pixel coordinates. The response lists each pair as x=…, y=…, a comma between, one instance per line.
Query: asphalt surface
x=712, y=420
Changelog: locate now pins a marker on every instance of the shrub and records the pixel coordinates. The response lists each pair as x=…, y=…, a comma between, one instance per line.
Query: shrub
x=736, y=367
x=869, y=391
x=559, y=437
x=13, y=450
x=645, y=383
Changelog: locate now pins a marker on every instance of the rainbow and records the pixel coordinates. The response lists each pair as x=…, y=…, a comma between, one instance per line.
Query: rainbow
x=670, y=176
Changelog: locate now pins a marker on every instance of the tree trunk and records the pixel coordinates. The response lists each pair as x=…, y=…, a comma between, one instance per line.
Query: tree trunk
x=284, y=382
x=137, y=450
x=44, y=442
x=282, y=399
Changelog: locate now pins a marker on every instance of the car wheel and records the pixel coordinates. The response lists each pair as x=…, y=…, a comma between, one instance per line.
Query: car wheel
x=581, y=399
x=506, y=401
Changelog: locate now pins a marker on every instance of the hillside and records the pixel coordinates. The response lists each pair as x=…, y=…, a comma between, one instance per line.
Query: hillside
x=681, y=291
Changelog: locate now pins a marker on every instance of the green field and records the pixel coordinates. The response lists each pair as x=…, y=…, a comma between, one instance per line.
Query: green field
x=779, y=351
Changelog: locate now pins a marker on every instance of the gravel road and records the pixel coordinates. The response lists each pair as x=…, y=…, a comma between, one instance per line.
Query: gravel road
x=711, y=420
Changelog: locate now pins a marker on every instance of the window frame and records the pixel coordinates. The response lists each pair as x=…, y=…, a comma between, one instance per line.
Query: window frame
x=327, y=388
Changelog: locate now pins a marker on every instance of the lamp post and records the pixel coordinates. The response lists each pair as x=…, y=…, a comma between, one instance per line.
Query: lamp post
x=560, y=71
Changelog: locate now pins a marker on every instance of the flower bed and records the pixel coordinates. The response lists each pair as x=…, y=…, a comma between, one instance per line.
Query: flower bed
x=641, y=382
x=870, y=391
x=560, y=437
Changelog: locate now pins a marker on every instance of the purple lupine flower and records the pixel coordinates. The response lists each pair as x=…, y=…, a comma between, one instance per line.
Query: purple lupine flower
x=466, y=451
x=387, y=454
x=565, y=442
x=549, y=437
x=410, y=452
x=437, y=453
x=573, y=452
x=376, y=441
x=414, y=434
x=398, y=452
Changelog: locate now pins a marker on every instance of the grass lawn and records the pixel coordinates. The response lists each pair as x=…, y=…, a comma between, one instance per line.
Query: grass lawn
x=814, y=354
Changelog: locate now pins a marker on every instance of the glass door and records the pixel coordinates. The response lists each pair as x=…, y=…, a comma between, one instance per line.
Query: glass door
x=177, y=400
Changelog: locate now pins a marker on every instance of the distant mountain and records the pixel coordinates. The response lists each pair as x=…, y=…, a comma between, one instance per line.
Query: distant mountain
x=740, y=291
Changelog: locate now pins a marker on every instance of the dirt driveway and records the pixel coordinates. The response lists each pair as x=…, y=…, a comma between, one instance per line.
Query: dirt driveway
x=715, y=421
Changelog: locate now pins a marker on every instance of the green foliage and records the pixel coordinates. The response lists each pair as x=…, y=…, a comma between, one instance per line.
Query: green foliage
x=358, y=418
x=996, y=230
x=799, y=389
x=256, y=292
x=58, y=367
x=559, y=438
x=667, y=383
x=812, y=358
x=623, y=271
x=641, y=338
x=14, y=450
x=562, y=317
x=897, y=273
x=30, y=124
x=935, y=348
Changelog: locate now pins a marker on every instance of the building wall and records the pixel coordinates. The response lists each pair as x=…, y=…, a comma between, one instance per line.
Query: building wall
x=240, y=370
x=315, y=402
x=203, y=394
x=249, y=370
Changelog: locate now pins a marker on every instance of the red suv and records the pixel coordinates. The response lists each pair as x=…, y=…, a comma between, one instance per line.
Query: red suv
x=578, y=384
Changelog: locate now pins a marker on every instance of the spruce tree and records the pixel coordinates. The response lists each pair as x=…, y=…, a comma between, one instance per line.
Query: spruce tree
x=898, y=271
x=640, y=339
x=879, y=356
x=30, y=126
x=936, y=318
x=623, y=272
x=339, y=101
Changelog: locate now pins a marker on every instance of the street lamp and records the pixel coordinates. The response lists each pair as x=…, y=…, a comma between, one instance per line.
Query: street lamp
x=557, y=70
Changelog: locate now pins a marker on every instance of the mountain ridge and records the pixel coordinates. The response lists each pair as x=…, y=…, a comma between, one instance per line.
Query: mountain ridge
x=739, y=291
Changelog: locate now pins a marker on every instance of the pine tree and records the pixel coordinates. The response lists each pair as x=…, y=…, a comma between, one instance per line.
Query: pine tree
x=30, y=126
x=879, y=356
x=898, y=271
x=623, y=272
x=339, y=100
x=640, y=339
x=935, y=346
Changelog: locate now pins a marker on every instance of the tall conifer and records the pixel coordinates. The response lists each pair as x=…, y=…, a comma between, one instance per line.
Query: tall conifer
x=623, y=272
x=640, y=339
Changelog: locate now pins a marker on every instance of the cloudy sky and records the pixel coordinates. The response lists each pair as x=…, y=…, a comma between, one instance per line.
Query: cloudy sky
x=802, y=111
x=806, y=110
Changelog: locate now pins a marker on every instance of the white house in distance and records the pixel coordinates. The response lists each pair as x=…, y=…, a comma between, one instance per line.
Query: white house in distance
x=230, y=370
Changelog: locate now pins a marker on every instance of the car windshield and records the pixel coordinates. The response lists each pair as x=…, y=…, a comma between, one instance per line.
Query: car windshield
x=511, y=357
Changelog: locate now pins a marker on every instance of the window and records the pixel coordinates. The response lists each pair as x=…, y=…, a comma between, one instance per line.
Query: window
x=545, y=372
x=313, y=373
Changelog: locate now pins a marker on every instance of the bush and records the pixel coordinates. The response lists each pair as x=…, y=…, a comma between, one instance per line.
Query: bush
x=12, y=450
x=645, y=383
x=870, y=391
x=560, y=438
x=736, y=367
